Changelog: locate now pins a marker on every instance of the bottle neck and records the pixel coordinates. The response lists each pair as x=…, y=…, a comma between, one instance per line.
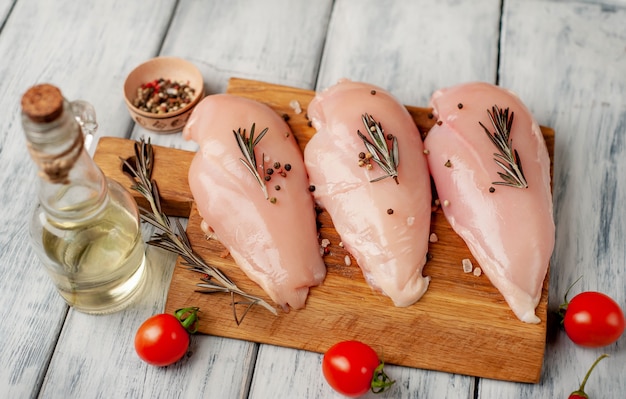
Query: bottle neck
x=71, y=186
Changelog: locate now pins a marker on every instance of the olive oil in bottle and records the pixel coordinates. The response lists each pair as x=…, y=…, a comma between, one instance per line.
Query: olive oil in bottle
x=86, y=228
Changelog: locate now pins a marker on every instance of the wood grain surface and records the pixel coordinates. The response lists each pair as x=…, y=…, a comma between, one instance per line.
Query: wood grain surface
x=461, y=325
x=565, y=59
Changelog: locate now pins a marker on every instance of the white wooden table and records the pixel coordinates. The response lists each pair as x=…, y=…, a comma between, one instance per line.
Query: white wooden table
x=566, y=59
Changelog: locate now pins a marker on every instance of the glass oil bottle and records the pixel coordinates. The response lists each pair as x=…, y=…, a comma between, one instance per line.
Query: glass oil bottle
x=86, y=228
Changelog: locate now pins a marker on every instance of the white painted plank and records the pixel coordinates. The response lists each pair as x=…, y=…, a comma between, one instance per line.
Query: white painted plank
x=95, y=355
x=412, y=47
x=278, y=364
x=567, y=61
x=71, y=44
x=278, y=41
x=86, y=51
x=215, y=360
x=5, y=8
x=605, y=4
x=579, y=96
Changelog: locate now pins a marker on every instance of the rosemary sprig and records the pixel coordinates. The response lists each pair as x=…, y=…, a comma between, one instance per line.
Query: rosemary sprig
x=246, y=145
x=507, y=158
x=387, y=158
x=176, y=240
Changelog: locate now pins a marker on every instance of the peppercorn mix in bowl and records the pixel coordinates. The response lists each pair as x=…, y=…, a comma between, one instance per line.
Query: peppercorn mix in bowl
x=161, y=93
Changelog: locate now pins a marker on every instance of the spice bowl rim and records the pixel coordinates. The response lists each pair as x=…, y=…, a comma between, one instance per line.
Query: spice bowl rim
x=163, y=67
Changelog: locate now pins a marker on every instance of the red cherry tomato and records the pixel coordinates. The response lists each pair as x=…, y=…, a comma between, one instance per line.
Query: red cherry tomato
x=352, y=368
x=163, y=339
x=593, y=319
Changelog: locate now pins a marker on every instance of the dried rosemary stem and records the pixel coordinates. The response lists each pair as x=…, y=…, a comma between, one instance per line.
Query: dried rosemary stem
x=507, y=157
x=387, y=158
x=177, y=241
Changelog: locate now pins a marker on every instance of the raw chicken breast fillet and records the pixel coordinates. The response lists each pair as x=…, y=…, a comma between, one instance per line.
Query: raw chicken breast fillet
x=275, y=244
x=383, y=224
x=509, y=230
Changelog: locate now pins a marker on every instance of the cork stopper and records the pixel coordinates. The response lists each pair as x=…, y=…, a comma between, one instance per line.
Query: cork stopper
x=42, y=103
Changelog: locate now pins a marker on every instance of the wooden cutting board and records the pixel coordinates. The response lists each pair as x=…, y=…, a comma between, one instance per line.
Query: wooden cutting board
x=461, y=325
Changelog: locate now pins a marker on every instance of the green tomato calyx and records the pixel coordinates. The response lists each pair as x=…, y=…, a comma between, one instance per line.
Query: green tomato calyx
x=381, y=381
x=188, y=318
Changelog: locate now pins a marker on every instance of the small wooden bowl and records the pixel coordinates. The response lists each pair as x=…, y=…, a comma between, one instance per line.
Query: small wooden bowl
x=172, y=68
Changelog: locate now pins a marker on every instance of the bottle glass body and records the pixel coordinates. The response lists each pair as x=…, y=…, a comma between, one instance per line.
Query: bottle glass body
x=85, y=229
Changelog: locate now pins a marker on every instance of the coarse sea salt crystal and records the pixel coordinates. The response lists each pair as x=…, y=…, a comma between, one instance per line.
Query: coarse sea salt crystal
x=347, y=260
x=433, y=237
x=478, y=271
x=467, y=265
x=295, y=105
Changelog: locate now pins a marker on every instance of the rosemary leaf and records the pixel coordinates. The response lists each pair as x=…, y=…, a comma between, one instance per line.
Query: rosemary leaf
x=245, y=312
x=256, y=141
x=176, y=241
x=395, y=154
x=211, y=289
x=183, y=237
x=246, y=146
x=507, y=158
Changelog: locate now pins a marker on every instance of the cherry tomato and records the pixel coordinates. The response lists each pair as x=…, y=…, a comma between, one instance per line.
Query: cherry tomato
x=163, y=339
x=352, y=368
x=593, y=319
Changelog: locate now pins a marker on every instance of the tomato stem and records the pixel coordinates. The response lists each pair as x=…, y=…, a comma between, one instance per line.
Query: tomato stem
x=381, y=381
x=188, y=317
x=581, y=391
x=570, y=287
x=564, y=305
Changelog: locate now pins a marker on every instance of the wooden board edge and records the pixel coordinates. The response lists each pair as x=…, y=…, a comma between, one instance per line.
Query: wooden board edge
x=176, y=197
